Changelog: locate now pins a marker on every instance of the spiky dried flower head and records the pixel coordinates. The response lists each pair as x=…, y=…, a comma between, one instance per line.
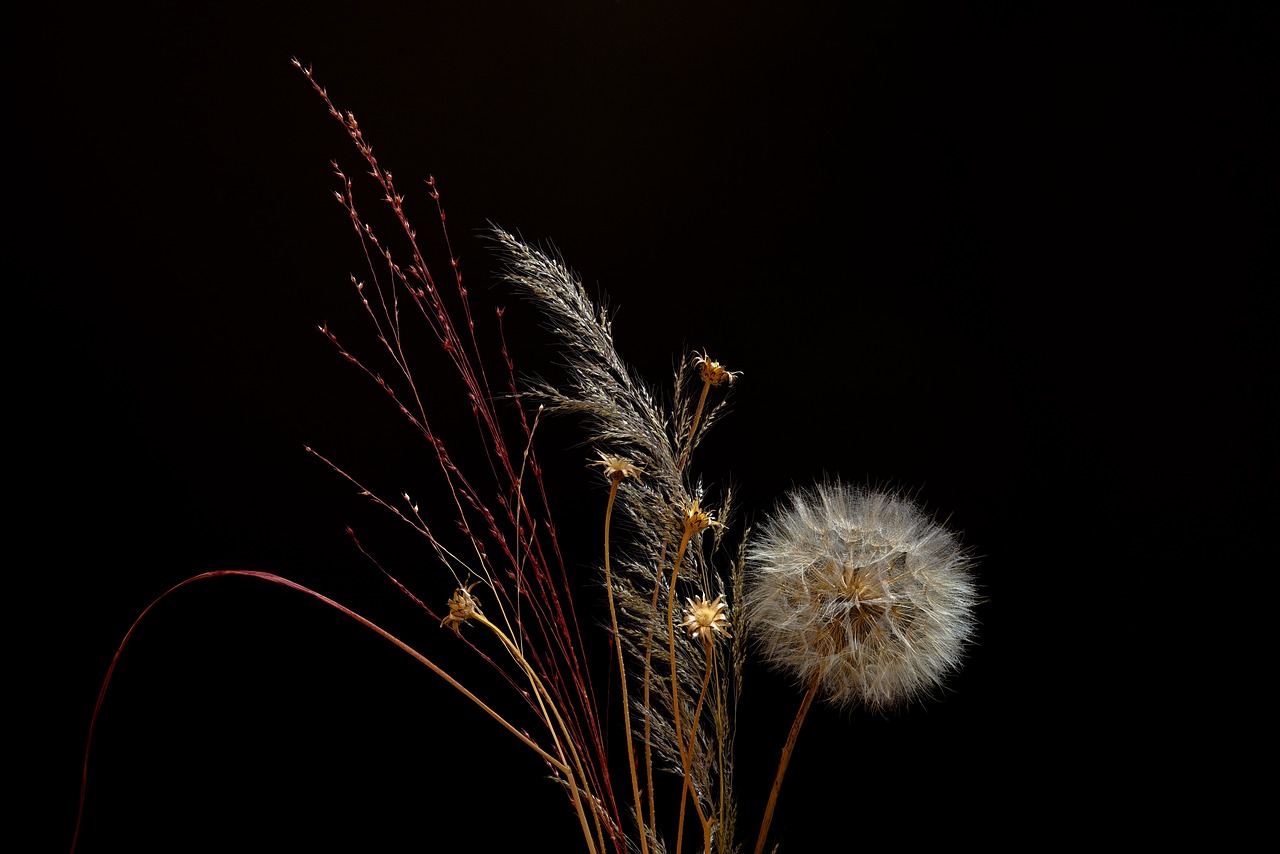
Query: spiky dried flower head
x=696, y=519
x=713, y=372
x=617, y=468
x=861, y=591
x=462, y=607
x=706, y=618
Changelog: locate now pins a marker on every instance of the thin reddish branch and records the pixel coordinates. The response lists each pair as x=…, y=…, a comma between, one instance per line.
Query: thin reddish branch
x=546, y=621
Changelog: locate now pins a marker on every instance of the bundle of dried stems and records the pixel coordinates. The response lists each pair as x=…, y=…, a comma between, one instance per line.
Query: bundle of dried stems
x=857, y=594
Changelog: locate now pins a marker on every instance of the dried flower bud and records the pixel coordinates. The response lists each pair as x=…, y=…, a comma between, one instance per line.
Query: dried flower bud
x=713, y=372
x=696, y=519
x=462, y=607
x=863, y=592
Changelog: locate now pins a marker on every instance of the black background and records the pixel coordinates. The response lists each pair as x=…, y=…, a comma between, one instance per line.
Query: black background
x=1014, y=262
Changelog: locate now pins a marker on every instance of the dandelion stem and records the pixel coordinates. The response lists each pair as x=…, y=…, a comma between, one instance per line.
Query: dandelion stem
x=622, y=673
x=782, y=764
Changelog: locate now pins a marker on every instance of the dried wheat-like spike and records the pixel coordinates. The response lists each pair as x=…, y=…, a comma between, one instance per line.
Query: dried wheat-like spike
x=624, y=418
x=619, y=410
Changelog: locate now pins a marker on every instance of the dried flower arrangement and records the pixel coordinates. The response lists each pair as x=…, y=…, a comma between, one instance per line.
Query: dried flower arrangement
x=856, y=594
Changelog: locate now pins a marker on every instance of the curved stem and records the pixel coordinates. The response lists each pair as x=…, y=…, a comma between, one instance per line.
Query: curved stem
x=284, y=582
x=622, y=673
x=693, y=426
x=722, y=764
x=648, y=675
x=687, y=759
x=671, y=637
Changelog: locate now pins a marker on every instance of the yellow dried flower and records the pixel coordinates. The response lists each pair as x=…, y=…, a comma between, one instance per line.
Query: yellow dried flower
x=705, y=618
x=617, y=468
x=696, y=519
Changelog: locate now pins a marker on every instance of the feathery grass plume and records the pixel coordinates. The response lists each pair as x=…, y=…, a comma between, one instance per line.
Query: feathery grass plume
x=623, y=417
x=861, y=592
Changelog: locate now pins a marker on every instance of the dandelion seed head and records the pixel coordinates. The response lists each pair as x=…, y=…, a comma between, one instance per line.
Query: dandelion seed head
x=863, y=592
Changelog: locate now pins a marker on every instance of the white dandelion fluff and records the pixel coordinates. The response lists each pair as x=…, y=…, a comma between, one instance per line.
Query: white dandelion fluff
x=861, y=594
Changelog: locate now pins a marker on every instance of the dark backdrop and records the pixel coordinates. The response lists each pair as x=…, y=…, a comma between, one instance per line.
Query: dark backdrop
x=1013, y=262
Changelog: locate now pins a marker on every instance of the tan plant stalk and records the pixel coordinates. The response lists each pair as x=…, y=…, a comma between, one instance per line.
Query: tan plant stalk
x=723, y=804
x=671, y=636
x=616, y=470
x=688, y=759
x=713, y=373
x=693, y=426
x=648, y=674
x=705, y=619
x=541, y=692
x=782, y=764
x=695, y=520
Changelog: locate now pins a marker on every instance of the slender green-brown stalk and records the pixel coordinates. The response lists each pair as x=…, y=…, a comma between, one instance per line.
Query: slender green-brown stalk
x=648, y=674
x=713, y=373
x=782, y=765
x=616, y=470
x=687, y=757
x=695, y=520
x=671, y=636
x=706, y=820
x=693, y=425
x=720, y=739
